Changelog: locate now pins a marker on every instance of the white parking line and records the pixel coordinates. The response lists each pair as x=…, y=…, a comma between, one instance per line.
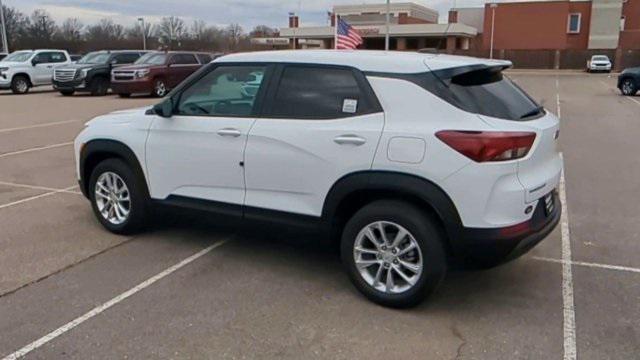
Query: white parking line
x=101, y=308
x=568, y=304
x=37, y=197
x=613, y=90
x=36, y=187
x=589, y=264
x=37, y=126
x=36, y=149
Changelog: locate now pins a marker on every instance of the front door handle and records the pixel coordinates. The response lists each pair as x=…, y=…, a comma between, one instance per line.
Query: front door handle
x=229, y=132
x=350, y=140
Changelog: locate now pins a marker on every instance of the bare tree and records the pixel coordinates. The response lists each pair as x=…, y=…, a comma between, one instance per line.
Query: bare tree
x=17, y=25
x=172, y=30
x=105, y=33
x=234, y=34
x=263, y=31
x=42, y=28
x=71, y=30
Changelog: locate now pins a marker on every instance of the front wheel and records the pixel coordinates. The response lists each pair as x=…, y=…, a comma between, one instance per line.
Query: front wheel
x=160, y=88
x=393, y=253
x=629, y=87
x=118, y=198
x=20, y=85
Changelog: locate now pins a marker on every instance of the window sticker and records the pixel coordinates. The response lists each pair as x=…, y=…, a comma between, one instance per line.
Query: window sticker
x=350, y=106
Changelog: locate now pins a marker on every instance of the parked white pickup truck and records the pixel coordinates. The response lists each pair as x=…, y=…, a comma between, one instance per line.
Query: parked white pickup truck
x=22, y=70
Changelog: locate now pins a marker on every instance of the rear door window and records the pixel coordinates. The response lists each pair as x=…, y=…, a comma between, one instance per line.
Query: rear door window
x=308, y=92
x=204, y=58
x=184, y=59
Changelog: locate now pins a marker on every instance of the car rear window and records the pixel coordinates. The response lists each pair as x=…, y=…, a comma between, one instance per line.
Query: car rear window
x=484, y=91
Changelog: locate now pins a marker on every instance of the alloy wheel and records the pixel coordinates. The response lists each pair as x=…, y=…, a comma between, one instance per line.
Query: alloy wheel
x=627, y=87
x=112, y=198
x=388, y=257
x=22, y=86
x=161, y=88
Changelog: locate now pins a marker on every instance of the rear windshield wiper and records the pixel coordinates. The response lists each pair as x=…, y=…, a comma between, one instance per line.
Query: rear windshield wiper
x=533, y=112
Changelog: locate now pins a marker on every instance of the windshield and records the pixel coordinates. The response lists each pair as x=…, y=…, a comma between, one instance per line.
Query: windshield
x=152, y=59
x=94, y=58
x=19, y=56
x=600, y=58
x=485, y=92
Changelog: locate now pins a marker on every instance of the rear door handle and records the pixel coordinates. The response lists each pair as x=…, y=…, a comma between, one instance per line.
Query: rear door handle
x=350, y=140
x=229, y=132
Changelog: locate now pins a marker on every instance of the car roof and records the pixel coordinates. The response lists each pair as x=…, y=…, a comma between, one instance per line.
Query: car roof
x=365, y=60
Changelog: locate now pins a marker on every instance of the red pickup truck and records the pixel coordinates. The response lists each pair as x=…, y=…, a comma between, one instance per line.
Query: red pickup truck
x=157, y=72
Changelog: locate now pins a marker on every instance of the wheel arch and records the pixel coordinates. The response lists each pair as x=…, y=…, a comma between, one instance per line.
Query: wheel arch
x=24, y=74
x=96, y=151
x=355, y=190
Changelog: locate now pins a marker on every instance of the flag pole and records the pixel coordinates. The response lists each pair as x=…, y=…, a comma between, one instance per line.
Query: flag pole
x=335, y=30
x=386, y=24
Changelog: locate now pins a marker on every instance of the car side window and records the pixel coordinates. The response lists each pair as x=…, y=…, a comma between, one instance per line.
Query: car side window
x=125, y=58
x=54, y=57
x=184, y=59
x=225, y=91
x=204, y=58
x=308, y=92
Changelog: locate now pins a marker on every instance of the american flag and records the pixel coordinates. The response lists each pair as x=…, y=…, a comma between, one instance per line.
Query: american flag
x=346, y=36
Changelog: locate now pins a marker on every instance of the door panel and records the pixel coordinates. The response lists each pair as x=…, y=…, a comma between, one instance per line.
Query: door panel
x=292, y=164
x=192, y=156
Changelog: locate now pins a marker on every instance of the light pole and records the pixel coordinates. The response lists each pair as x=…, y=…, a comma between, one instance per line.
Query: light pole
x=386, y=23
x=5, y=45
x=493, y=25
x=144, y=34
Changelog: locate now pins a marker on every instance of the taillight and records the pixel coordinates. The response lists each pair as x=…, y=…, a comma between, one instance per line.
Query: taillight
x=483, y=146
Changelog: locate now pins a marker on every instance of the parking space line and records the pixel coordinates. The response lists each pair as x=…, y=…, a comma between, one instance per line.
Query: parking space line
x=114, y=301
x=589, y=264
x=613, y=90
x=37, y=197
x=568, y=304
x=36, y=149
x=37, y=126
x=35, y=187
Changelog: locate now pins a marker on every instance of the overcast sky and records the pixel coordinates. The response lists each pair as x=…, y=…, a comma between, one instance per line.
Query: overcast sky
x=247, y=13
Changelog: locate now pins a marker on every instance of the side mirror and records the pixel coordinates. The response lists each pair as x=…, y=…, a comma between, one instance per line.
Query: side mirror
x=164, y=109
x=34, y=62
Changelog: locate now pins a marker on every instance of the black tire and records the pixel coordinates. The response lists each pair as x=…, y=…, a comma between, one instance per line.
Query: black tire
x=67, y=92
x=160, y=88
x=124, y=96
x=20, y=84
x=629, y=87
x=139, y=211
x=99, y=86
x=424, y=230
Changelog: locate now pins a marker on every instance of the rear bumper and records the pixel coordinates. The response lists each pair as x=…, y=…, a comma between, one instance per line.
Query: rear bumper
x=504, y=244
x=132, y=87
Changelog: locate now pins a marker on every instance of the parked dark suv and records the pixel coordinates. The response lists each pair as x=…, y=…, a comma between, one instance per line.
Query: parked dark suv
x=629, y=81
x=157, y=73
x=92, y=73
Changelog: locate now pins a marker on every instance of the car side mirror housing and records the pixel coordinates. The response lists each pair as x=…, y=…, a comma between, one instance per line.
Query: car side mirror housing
x=34, y=62
x=164, y=109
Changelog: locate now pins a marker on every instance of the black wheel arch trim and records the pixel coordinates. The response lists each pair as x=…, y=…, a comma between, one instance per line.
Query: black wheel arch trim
x=109, y=149
x=409, y=185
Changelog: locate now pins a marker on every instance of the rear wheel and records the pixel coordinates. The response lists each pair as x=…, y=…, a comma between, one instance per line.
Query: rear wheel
x=159, y=88
x=393, y=253
x=99, y=87
x=118, y=198
x=629, y=87
x=20, y=84
x=124, y=96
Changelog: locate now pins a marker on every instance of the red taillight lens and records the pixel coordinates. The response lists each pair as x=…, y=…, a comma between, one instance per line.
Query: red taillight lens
x=483, y=146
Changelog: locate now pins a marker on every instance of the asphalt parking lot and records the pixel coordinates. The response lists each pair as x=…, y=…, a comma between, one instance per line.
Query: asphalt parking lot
x=191, y=288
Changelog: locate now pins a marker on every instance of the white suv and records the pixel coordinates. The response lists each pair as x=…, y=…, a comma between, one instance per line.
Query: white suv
x=22, y=70
x=410, y=162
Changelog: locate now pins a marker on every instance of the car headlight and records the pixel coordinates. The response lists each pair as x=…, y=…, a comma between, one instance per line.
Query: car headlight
x=142, y=73
x=83, y=73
